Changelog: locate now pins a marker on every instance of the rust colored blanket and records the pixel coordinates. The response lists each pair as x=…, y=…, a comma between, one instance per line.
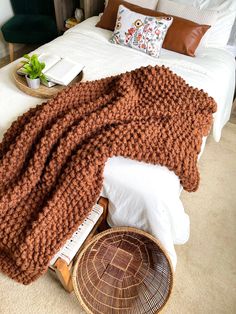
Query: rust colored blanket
x=52, y=158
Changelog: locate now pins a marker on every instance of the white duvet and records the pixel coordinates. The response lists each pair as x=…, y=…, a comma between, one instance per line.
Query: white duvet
x=140, y=195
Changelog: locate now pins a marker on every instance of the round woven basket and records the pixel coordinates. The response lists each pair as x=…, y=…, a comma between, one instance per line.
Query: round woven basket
x=123, y=270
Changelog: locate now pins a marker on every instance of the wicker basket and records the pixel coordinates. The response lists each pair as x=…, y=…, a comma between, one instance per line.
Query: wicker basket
x=123, y=270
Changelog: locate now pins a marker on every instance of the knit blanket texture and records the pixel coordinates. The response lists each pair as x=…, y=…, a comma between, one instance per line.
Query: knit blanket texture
x=52, y=157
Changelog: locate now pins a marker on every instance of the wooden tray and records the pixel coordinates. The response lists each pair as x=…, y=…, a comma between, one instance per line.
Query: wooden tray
x=42, y=91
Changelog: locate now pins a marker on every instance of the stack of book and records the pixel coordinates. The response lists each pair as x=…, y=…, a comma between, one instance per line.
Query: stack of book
x=57, y=70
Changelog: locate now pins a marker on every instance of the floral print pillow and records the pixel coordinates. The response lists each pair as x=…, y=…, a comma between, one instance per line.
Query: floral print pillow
x=141, y=32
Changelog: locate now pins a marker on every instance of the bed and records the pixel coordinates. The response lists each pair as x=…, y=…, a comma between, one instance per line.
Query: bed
x=140, y=195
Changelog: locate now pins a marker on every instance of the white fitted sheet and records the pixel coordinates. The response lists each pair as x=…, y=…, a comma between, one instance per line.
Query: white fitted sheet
x=141, y=195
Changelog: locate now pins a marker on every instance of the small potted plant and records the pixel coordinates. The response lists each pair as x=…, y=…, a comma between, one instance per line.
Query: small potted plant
x=33, y=69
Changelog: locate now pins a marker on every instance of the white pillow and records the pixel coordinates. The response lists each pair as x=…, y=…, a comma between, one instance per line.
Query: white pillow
x=207, y=17
x=221, y=18
x=232, y=38
x=207, y=4
x=219, y=33
x=140, y=32
x=149, y=4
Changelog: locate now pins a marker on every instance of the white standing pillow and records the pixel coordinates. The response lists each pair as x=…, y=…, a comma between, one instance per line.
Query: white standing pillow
x=219, y=33
x=200, y=4
x=141, y=32
x=149, y=4
x=232, y=38
x=220, y=17
x=207, y=17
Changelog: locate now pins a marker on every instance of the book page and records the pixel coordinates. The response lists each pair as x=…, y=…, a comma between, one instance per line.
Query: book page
x=50, y=60
x=64, y=72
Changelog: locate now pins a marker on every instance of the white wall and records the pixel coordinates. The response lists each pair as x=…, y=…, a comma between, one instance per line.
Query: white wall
x=5, y=13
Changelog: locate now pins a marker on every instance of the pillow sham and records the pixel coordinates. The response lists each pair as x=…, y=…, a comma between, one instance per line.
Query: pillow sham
x=195, y=3
x=209, y=4
x=220, y=32
x=232, y=37
x=149, y=4
x=141, y=32
x=183, y=35
x=199, y=16
x=221, y=18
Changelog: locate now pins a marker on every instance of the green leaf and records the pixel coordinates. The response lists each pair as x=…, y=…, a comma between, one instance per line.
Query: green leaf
x=43, y=78
x=33, y=67
x=26, y=65
x=26, y=56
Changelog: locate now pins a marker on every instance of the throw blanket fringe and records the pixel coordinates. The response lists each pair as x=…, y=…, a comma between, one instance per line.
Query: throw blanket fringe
x=52, y=158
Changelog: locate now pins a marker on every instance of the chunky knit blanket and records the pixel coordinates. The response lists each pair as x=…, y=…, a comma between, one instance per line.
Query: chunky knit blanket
x=52, y=158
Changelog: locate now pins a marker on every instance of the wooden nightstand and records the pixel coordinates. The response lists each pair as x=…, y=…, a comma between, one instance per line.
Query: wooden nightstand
x=65, y=9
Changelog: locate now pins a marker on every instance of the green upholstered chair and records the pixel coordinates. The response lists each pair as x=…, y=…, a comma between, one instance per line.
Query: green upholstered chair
x=33, y=23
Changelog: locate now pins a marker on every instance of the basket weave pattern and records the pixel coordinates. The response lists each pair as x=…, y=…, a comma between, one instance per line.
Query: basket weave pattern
x=123, y=270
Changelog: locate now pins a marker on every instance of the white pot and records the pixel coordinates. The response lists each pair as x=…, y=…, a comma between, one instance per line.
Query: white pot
x=79, y=15
x=34, y=84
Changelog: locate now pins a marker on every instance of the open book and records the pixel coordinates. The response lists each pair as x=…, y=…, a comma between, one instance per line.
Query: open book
x=58, y=70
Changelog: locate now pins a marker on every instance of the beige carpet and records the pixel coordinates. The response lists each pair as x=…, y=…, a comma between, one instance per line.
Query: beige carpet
x=205, y=280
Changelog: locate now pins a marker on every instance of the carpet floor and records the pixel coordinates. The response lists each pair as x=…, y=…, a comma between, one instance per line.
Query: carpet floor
x=205, y=279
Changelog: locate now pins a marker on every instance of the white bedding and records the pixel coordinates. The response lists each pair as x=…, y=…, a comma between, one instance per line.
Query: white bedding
x=141, y=195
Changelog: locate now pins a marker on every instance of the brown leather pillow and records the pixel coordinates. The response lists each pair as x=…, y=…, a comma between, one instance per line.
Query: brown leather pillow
x=183, y=35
